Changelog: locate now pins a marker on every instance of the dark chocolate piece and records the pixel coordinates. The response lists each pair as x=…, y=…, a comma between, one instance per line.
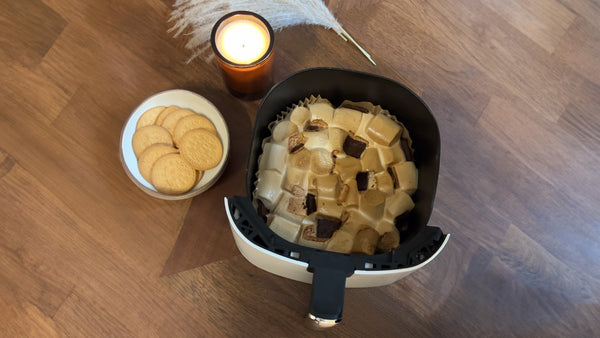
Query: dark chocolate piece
x=311, y=204
x=362, y=180
x=327, y=226
x=354, y=147
x=406, y=150
x=262, y=210
x=355, y=107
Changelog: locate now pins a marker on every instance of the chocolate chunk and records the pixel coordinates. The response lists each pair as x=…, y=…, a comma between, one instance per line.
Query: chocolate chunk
x=394, y=178
x=262, y=210
x=315, y=125
x=406, y=149
x=327, y=226
x=355, y=107
x=362, y=180
x=311, y=204
x=354, y=147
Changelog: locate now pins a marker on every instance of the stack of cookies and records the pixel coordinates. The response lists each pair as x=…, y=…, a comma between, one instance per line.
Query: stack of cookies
x=174, y=146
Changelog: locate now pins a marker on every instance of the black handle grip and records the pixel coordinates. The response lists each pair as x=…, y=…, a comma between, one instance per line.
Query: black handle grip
x=327, y=297
x=329, y=285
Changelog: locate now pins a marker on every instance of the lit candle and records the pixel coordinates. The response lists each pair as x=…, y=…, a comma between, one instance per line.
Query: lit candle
x=243, y=44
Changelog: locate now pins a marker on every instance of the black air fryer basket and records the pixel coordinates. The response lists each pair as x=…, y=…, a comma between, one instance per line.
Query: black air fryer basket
x=330, y=269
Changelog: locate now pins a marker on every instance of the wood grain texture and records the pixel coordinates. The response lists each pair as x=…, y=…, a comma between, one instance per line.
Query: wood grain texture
x=514, y=87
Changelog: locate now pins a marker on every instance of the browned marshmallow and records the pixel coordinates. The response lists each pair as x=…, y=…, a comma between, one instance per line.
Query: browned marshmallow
x=365, y=241
x=308, y=236
x=347, y=119
x=336, y=139
x=321, y=161
x=283, y=130
x=300, y=159
x=383, y=130
x=285, y=228
x=370, y=160
x=321, y=111
x=406, y=176
x=273, y=157
x=299, y=116
x=341, y=242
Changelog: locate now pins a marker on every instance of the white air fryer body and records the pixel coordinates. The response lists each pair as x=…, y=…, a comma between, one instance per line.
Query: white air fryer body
x=297, y=270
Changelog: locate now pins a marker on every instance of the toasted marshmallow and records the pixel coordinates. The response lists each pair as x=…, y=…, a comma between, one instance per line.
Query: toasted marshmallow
x=321, y=161
x=299, y=116
x=285, y=228
x=295, y=177
x=329, y=186
x=397, y=204
x=383, y=130
x=370, y=211
x=318, y=139
x=406, y=176
x=385, y=183
x=341, y=242
x=392, y=154
x=273, y=157
x=336, y=139
x=351, y=198
x=329, y=207
x=362, y=128
x=347, y=167
x=347, y=119
x=384, y=225
x=370, y=160
x=365, y=241
x=308, y=236
x=300, y=159
x=321, y=111
x=283, y=130
x=388, y=241
x=268, y=188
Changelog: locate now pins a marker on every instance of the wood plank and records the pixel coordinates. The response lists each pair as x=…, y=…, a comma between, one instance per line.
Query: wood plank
x=544, y=22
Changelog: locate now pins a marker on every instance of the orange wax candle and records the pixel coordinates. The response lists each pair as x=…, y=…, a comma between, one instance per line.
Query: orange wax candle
x=243, y=44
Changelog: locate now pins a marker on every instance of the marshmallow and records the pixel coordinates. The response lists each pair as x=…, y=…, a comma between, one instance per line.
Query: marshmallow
x=273, y=157
x=321, y=111
x=286, y=229
x=347, y=119
x=383, y=130
x=406, y=176
x=299, y=116
x=283, y=130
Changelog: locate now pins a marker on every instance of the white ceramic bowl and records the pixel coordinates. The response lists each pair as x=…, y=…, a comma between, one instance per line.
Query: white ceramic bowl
x=183, y=99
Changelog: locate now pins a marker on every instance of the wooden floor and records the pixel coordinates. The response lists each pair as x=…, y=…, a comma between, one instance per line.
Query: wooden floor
x=514, y=86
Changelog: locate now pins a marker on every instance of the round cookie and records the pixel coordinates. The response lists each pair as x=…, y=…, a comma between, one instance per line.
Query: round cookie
x=149, y=116
x=147, y=136
x=201, y=148
x=188, y=123
x=150, y=155
x=171, y=174
x=163, y=114
x=171, y=120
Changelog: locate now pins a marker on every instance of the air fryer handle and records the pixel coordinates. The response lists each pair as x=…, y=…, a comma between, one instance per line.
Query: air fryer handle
x=328, y=288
